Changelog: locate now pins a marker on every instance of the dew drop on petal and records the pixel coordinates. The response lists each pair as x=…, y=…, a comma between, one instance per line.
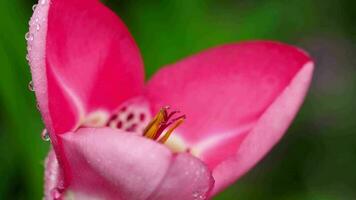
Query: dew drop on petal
x=43, y=2
x=45, y=135
x=195, y=195
x=37, y=27
x=34, y=7
x=202, y=196
x=198, y=196
x=30, y=86
x=29, y=36
x=57, y=193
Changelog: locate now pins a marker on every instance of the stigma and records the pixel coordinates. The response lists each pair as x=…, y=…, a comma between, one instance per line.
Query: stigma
x=163, y=124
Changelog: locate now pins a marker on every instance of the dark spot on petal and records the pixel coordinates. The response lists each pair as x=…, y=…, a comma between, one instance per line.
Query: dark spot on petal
x=123, y=109
x=113, y=117
x=119, y=124
x=142, y=117
x=130, y=117
x=132, y=128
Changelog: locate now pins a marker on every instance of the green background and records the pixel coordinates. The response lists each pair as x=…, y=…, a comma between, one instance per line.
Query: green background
x=317, y=157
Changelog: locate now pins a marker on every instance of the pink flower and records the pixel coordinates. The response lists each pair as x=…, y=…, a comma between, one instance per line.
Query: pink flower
x=239, y=100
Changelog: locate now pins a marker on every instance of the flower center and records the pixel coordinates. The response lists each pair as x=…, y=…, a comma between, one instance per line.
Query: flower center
x=163, y=124
x=135, y=116
x=132, y=116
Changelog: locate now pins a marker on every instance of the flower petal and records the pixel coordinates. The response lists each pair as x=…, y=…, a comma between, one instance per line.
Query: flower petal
x=187, y=178
x=82, y=59
x=224, y=92
x=113, y=164
x=53, y=178
x=267, y=132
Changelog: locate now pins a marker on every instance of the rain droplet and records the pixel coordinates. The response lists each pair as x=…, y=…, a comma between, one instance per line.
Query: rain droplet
x=57, y=193
x=45, y=135
x=29, y=36
x=43, y=2
x=37, y=27
x=202, y=196
x=27, y=57
x=198, y=196
x=195, y=195
x=30, y=86
x=34, y=7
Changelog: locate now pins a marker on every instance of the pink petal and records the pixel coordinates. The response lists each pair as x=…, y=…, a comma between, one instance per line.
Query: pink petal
x=112, y=164
x=82, y=58
x=53, y=178
x=267, y=132
x=187, y=178
x=224, y=92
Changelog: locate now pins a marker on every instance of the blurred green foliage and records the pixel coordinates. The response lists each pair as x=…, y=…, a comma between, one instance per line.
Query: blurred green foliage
x=317, y=157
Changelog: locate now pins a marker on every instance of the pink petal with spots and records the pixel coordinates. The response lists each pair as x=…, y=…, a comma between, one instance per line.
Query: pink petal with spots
x=226, y=92
x=82, y=58
x=113, y=164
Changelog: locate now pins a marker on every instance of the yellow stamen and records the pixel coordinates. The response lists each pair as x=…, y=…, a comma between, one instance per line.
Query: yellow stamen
x=170, y=130
x=160, y=122
x=152, y=129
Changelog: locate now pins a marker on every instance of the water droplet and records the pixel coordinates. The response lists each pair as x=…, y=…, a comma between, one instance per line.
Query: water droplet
x=37, y=27
x=57, y=193
x=27, y=57
x=38, y=106
x=198, y=196
x=43, y=2
x=202, y=196
x=45, y=135
x=34, y=7
x=29, y=36
x=195, y=195
x=30, y=86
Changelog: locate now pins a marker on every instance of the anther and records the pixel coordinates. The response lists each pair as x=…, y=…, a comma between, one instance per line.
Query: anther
x=170, y=130
x=161, y=122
